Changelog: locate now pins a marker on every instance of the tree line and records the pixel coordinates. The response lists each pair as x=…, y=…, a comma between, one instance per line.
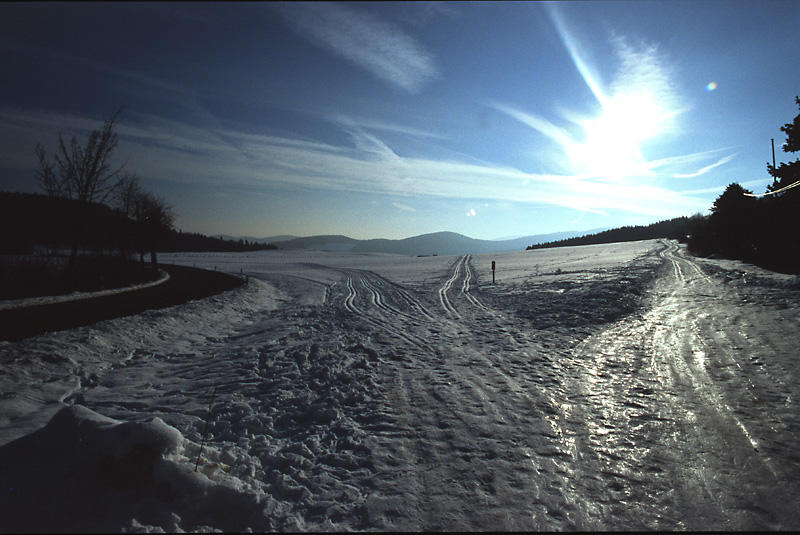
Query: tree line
x=676, y=228
x=30, y=220
x=758, y=229
x=82, y=173
x=91, y=205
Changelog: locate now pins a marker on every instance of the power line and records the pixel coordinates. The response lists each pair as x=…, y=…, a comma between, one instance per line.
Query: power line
x=790, y=186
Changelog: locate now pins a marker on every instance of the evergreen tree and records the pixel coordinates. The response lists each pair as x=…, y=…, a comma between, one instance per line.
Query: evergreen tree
x=733, y=223
x=786, y=174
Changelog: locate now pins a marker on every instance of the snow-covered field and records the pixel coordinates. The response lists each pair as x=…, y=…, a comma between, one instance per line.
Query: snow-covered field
x=621, y=386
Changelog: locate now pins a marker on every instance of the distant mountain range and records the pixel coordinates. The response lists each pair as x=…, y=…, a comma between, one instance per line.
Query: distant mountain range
x=252, y=239
x=437, y=243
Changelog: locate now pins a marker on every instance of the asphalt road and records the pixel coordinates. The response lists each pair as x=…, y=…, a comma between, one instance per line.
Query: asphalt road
x=185, y=284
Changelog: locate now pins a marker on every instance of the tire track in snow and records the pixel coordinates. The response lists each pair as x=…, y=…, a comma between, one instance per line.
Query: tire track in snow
x=403, y=295
x=670, y=253
x=676, y=268
x=448, y=307
x=662, y=403
x=377, y=299
x=351, y=295
x=325, y=297
x=476, y=409
x=466, y=285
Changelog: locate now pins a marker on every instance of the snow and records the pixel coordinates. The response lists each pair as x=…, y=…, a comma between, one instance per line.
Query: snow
x=130, y=475
x=9, y=304
x=619, y=386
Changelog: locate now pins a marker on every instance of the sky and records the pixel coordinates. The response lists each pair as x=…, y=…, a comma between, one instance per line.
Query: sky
x=389, y=120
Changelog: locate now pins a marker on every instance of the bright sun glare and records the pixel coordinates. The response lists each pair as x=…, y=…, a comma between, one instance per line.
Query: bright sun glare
x=612, y=144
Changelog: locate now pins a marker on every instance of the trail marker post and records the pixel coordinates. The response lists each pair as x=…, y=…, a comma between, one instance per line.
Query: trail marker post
x=492, y=271
x=205, y=428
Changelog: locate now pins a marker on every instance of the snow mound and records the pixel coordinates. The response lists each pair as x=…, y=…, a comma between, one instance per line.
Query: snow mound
x=86, y=472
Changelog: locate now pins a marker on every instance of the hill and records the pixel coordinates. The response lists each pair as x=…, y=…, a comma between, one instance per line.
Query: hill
x=676, y=228
x=436, y=243
x=320, y=243
x=253, y=239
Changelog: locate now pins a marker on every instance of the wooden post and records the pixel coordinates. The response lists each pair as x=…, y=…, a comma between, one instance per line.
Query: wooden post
x=205, y=427
x=492, y=271
x=774, y=178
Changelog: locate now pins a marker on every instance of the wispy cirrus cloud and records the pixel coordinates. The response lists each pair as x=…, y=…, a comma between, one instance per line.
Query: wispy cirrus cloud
x=707, y=168
x=555, y=133
x=686, y=159
x=721, y=188
x=576, y=52
x=638, y=103
x=371, y=124
x=160, y=149
x=377, y=46
x=404, y=207
x=670, y=166
x=637, y=106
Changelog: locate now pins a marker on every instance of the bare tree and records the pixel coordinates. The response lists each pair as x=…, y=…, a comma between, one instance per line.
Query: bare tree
x=127, y=198
x=82, y=173
x=155, y=218
x=127, y=192
x=151, y=215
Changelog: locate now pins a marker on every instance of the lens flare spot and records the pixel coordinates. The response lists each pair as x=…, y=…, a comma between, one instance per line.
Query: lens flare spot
x=711, y=86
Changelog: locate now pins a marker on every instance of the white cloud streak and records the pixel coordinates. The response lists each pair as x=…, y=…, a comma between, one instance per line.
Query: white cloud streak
x=555, y=133
x=763, y=182
x=575, y=52
x=405, y=207
x=685, y=159
x=707, y=168
x=378, y=47
x=167, y=150
x=595, y=178
x=367, y=124
x=644, y=69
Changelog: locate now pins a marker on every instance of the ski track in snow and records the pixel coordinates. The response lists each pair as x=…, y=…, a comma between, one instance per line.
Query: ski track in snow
x=625, y=386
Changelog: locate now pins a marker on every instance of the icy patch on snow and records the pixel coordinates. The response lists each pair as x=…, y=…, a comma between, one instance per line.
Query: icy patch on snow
x=86, y=472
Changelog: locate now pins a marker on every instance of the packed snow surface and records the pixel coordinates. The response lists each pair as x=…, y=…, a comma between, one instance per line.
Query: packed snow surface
x=620, y=386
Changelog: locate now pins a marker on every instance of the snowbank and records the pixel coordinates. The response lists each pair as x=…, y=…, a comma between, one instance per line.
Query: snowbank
x=86, y=472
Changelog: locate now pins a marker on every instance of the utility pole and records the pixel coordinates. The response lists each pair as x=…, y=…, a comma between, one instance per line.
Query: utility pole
x=774, y=178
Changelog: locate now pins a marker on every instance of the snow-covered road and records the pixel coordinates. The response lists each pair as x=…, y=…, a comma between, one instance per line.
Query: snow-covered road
x=622, y=386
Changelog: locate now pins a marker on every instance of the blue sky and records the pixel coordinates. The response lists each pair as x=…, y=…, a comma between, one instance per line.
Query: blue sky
x=396, y=119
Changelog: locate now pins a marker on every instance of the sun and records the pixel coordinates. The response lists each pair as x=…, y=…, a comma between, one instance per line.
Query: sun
x=611, y=146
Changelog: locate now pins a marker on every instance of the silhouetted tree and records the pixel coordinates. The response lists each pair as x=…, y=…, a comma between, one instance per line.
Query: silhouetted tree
x=781, y=211
x=675, y=228
x=82, y=173
x=700, y=241
x=733, y=223
x=758, y=230
x=127, y=199
x=785, y=174
x=155, y=219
